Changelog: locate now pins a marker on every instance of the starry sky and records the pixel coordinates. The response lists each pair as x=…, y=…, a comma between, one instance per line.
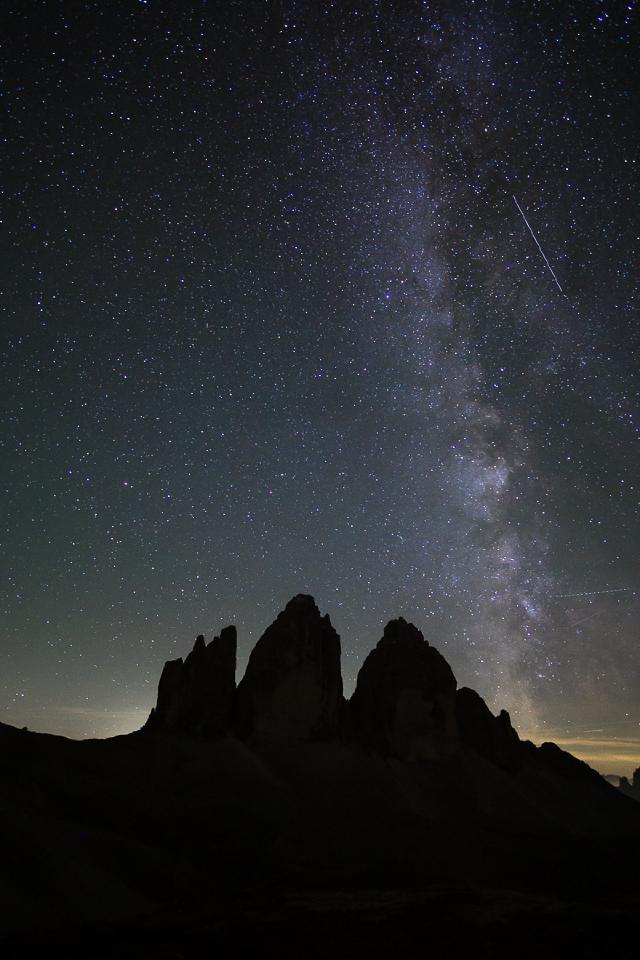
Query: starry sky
x=336, y=298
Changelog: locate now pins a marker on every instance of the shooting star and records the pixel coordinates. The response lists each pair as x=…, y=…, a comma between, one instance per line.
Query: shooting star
x=538, y=245
x=593, y=593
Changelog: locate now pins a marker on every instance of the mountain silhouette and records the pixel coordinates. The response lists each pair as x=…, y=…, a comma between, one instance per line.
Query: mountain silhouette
x=278, y=816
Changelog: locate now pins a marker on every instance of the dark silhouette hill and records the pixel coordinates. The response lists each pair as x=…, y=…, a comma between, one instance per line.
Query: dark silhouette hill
x=278, y=816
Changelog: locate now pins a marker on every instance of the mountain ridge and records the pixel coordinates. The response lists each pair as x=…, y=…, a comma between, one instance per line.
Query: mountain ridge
x=279, y=787
x=406, y=702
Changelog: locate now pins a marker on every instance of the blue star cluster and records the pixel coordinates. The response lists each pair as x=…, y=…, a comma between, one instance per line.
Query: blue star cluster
x=281, y=315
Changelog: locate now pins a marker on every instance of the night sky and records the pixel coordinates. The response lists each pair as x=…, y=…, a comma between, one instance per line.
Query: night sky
x=275, y=320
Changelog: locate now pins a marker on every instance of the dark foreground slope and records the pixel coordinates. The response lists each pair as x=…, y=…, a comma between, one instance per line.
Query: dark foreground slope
x=279, y=817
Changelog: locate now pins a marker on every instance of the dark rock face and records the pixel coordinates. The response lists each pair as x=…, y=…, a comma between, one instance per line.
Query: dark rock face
x=292, y=688
x=404, y=704
x=492, y=737
x=196, y=697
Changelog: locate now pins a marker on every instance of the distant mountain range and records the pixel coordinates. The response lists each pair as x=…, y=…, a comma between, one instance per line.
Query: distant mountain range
x=631, y=788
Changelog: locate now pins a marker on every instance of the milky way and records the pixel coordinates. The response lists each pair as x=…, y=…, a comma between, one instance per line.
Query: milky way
x=275, y=325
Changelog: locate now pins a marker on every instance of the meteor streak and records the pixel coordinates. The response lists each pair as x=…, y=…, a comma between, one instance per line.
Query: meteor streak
x=538, y=245
x=594, y=593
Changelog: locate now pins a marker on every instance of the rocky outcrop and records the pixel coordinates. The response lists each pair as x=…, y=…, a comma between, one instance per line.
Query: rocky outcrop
x=404, y=704
x=565, y=765
x=196, y=696
x=492, y=737
x=292, y=688
x=631, y=789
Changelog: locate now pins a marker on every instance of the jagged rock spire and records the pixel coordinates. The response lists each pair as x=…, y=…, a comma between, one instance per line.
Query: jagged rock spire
x=196, y=696
x=292, y=688
x=404, y=701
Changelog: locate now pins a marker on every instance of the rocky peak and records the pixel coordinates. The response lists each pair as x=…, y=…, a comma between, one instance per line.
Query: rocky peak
x=196, y=696
x=404, y=701
x=292, y=688
x=303, y=600
x=492, y=737
x=400, y=632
